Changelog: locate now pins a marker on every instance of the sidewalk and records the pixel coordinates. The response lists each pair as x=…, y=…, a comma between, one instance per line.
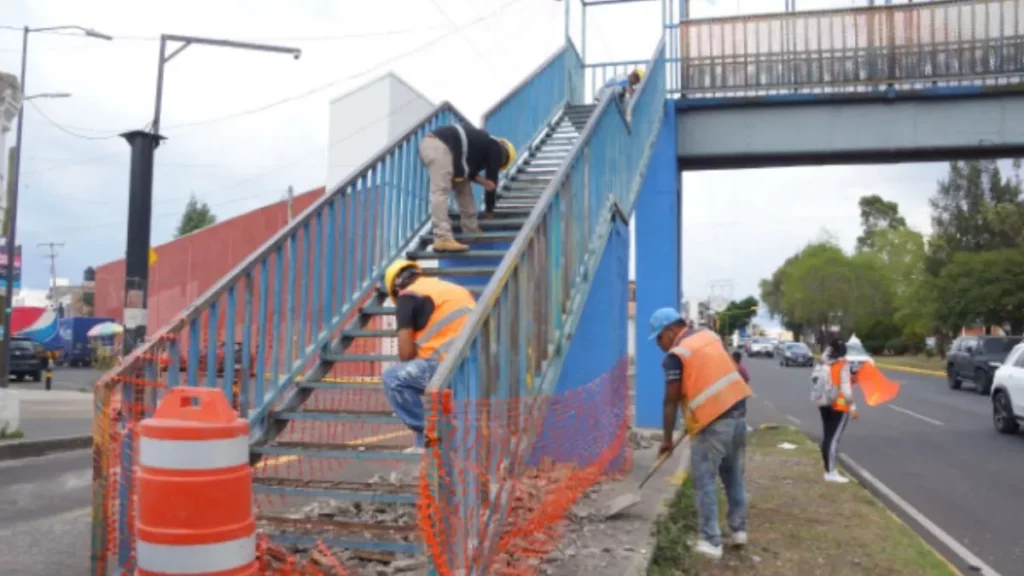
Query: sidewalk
x=619, y=546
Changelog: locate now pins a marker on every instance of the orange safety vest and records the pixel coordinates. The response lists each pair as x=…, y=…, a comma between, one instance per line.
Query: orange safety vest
x=840, y=404
x=711, y=383
x=452, y=305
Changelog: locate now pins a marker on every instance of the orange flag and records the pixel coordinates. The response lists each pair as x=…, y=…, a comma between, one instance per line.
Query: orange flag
x=876, y=387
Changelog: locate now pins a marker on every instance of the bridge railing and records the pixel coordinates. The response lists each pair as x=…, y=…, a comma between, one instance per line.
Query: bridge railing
x=487, y=400
x=281, y=307
x=908, y=46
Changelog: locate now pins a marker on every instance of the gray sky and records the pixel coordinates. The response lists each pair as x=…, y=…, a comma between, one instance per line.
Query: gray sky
x=243, y=126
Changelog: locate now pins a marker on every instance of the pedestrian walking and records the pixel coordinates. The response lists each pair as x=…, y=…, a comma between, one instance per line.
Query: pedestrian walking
x=455, y=156
x=702, y=380
x=836, y=404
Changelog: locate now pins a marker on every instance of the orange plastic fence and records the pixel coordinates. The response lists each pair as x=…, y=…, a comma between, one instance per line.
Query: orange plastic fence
x=553, y=450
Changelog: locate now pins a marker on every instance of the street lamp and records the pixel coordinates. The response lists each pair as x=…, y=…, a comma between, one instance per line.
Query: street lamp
x=12, y=208
x=47, y=95
x=140, y=187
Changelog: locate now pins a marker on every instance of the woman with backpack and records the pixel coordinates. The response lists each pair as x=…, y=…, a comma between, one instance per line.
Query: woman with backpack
x=832, y=391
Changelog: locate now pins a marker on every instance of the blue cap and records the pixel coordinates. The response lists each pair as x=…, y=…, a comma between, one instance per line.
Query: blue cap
x=663, y=318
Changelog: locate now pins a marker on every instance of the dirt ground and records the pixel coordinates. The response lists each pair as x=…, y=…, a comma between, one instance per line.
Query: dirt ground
x=790, y=533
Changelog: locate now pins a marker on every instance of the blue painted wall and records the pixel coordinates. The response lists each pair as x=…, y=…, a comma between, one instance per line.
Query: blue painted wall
x=658, y=237
x=591, y=396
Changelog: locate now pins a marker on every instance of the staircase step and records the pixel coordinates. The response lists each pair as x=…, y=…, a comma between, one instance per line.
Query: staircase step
x=343, y=357
x=369, y=333
x=503, y=210
x=359, y=416
x=375, y=493
x=428, y=239
x=349, y=385
x=475, y=254
x=458, y=270
x=342, y=535
x=377, y=310
x=498, y=224
x=349, y=451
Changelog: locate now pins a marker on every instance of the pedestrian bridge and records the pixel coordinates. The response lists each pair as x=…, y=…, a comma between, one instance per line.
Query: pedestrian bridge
x=531, y=406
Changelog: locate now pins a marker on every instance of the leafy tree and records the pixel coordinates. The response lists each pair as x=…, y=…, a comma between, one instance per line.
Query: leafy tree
x=983, y=287
x=737, y=315
x=197, y=215
x=877, y=215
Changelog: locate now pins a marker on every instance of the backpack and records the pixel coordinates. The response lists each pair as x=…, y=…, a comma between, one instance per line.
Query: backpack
x=823, y=392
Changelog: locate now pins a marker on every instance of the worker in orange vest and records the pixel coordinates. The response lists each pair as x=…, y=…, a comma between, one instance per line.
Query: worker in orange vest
x=701, y=378
x=429, y=315
x=834, y=417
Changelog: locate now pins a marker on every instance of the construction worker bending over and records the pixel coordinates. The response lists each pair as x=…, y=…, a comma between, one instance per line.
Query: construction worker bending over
x=454, y=156
x=701, y=378
x=621, y=86
x=430, y=313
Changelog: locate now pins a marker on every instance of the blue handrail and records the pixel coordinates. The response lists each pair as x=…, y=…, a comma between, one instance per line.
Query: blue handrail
x=511, y=349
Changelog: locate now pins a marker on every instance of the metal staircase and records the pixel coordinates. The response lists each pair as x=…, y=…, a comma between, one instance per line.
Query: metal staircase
x=370, y=495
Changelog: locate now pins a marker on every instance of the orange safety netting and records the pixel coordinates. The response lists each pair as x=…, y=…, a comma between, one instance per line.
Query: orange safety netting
x=537, y=456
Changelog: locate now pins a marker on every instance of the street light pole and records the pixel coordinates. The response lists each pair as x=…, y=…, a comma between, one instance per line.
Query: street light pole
x=140, y=187
x=12, y=208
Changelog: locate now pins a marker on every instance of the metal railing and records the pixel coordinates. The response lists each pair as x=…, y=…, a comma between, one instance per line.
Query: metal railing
x=283, y=305
x=528, y=107
x=508, y=358
x=910, y=46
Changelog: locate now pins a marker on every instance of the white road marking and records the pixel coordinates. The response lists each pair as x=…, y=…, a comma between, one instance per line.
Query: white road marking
x=793, y=419
x=915, y=415
x=966, y=555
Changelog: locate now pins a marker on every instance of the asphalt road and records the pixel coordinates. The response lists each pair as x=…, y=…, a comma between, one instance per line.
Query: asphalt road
x=44, y=515
x=934, y=447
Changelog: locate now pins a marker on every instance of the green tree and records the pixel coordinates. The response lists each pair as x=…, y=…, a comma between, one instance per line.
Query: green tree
x=877, y=215
x=737, y=315
x=983, y=287
x=197, y=215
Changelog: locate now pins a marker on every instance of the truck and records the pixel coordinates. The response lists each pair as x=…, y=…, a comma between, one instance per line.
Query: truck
x=77, y=351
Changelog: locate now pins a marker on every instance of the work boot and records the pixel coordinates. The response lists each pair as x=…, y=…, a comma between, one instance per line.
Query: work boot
x=739, y=538
x=449, y=245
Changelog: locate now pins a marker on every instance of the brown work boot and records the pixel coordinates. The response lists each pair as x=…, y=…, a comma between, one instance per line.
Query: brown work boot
x=449, y=245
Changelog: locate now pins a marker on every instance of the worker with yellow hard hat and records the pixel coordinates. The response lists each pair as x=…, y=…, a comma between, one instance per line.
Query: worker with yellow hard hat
x=429, y=314
x=622, y=86
x=455, y=156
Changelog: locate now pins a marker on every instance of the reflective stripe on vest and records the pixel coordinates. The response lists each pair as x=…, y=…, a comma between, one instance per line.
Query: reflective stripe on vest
x=452, y=304
x=711, y=383
x=836, y=370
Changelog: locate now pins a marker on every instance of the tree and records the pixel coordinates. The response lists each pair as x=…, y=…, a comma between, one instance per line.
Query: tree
x=197, y=215
x=737, y=315
x=983, y=287
x=877, y=215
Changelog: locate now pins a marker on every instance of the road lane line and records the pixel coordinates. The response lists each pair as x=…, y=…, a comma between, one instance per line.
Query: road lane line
x=915, y=415
x=966, y=555
x=793, y=419
x=356, y=442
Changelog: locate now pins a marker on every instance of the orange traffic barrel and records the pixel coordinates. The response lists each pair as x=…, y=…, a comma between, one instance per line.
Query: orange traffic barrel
x=194, y=513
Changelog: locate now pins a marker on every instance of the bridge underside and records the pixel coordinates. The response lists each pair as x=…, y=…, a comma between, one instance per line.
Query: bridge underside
x=850, y=129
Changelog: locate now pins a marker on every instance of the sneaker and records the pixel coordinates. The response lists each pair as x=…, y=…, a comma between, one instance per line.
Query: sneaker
x=413, y=450
x=739, y=538
x=449, y=245
x=709, y=550
x=836, y=477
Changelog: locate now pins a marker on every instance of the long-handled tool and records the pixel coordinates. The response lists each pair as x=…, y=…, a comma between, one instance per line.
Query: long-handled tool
x=620, y=504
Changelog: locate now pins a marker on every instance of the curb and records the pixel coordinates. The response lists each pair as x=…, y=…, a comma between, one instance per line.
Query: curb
x=899, y=368
x=18, y=449
x=642, y=564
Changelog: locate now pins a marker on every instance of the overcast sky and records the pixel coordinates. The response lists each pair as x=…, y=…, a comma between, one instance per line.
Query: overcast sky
x=243, y=126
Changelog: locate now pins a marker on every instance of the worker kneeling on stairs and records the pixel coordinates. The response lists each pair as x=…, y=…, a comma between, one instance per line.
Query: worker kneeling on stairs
x=454, y=156
x=430, y=313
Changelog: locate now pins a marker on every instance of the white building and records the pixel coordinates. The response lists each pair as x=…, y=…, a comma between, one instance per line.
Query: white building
x=365, y=120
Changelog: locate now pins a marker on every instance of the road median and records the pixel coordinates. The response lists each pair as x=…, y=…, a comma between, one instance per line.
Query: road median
x=799, y=524
x=18, y=449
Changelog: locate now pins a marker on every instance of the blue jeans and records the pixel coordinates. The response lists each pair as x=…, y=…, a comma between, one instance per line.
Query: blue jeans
x=404, y=383
x=719, y=450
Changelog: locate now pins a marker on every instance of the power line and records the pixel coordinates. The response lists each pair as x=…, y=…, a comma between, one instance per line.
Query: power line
x=57, y=125
x=52, y=255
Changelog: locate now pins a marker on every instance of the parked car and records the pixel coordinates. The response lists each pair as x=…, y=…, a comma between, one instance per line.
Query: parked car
x=796, y=354
x=976, y=358
x=26, y=358
x=1008, y=392
x=760, y=347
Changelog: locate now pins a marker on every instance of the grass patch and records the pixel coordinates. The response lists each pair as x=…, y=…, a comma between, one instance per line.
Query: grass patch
x=6, y=434
x=798, y=523
x=918, y=362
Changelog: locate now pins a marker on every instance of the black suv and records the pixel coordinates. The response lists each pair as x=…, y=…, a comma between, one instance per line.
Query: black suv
x=976, y=358
x=26, y=358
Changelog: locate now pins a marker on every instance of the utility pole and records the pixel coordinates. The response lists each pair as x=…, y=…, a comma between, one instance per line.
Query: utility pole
x=52, y=255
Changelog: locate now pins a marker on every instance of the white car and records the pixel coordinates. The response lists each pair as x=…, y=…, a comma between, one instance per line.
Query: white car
x=856, y=354
x=1008, y=392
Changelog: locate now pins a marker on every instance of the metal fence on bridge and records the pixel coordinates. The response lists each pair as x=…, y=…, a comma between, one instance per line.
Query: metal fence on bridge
x=913, y=46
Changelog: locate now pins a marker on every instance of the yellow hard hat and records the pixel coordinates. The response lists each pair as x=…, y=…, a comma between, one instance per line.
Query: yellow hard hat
x=639, y=73
x=511, y=153
x=392, y=272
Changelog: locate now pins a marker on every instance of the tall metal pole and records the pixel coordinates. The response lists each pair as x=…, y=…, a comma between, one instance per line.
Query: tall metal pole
x=12, y=222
